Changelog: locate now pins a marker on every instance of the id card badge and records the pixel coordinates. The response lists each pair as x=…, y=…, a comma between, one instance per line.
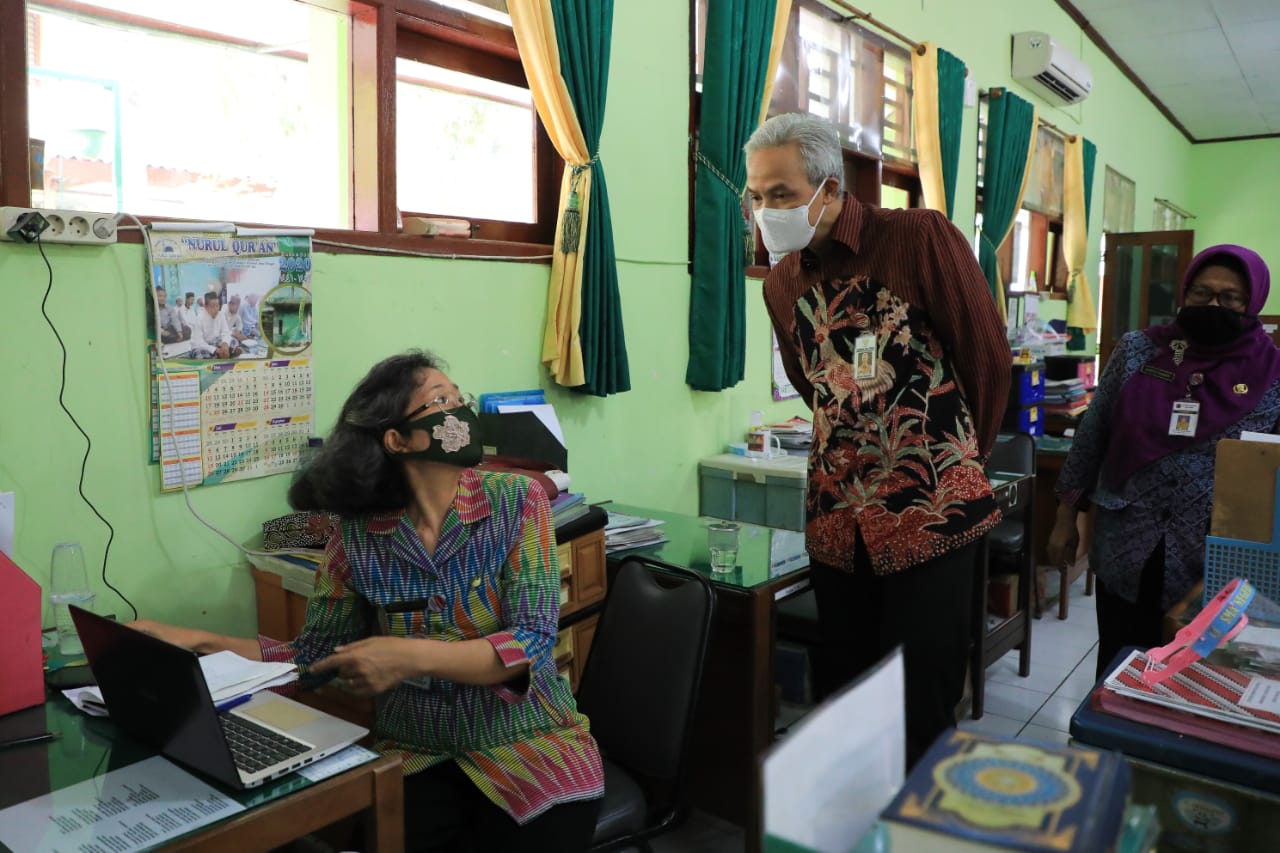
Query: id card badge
x=1183, y=420
x=864, y=357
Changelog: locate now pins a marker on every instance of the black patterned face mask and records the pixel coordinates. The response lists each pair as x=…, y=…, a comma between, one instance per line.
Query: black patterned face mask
x=455, y=437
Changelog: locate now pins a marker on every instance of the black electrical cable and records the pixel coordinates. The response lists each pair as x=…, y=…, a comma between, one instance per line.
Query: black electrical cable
x=62, y=387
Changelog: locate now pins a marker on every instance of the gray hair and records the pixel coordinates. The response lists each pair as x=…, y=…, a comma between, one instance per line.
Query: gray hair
x=817, y=139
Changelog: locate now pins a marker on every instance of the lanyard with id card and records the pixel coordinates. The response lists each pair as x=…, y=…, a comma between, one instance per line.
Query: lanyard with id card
x=1186, y=412
x=864, y=357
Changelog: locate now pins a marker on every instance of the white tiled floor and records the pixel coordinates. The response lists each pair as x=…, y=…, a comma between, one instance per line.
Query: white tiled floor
x=1064, y=654
x=1038, y=707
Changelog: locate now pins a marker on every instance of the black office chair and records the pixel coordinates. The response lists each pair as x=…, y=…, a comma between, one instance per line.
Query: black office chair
x=1009, y=542
x=639, y=689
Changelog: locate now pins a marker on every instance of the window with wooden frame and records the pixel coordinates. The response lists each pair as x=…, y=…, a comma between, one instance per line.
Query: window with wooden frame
x=348, y=116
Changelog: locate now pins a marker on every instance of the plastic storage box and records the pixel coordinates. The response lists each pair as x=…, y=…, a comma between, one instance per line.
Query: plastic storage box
x=1026, y=384
x=1029, y=419
x=755, y=491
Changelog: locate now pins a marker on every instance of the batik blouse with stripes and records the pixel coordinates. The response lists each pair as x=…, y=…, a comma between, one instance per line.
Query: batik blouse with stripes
x=493, y=575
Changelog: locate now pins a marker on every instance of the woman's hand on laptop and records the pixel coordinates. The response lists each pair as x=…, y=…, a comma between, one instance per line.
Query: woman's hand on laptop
x=198, y=640
x=374, y=665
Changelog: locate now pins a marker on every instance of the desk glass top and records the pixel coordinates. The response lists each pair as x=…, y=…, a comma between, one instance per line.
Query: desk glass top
x=764, y=553
x=89, y=747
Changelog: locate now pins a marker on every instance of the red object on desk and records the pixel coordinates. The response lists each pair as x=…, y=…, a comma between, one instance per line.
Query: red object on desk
x=21, y=667
x=1223, y=733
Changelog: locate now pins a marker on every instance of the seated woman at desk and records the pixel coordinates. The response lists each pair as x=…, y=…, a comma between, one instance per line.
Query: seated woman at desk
x=1144, y=453
x=439, y=594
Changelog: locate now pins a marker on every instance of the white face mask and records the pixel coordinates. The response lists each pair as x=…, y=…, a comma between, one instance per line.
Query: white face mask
x=788, y=230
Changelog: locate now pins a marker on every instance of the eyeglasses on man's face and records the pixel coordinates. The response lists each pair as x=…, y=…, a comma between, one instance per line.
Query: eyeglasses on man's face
x=445, y=403
x=1199, y=294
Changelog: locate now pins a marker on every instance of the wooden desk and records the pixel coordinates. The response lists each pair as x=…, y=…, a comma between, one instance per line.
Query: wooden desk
x=277, y=812
x=734, y=722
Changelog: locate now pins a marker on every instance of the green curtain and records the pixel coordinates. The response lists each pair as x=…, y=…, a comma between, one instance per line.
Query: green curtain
x=1010, y=123
x=1076, y=342
x=739, y=35
x=950, y=121
x=584, y=31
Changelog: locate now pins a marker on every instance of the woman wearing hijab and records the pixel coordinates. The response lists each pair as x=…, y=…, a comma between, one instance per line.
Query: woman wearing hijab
x=1144, y=453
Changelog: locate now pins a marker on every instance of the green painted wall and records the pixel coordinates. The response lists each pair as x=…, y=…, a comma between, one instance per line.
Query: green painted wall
x=485, y=318
x=1234, y=195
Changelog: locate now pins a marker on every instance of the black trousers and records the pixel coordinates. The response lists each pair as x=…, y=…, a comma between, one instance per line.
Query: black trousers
x=925, y=609
x=1124, y=623
x=445, y=811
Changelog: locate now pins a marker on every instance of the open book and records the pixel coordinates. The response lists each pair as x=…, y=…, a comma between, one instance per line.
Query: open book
x=228, y=675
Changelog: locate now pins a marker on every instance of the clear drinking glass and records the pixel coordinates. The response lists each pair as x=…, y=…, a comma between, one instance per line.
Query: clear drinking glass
x=68, y=584
x=722, y=539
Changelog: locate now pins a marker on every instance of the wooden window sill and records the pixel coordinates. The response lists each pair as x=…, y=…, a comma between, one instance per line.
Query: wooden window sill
x=375, y=242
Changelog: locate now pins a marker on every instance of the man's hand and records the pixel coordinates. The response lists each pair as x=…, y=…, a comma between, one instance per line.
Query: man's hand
x=1064, y=541
x=376, y=664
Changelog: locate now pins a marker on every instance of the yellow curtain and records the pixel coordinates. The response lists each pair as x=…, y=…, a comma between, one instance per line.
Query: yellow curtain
x=924, y=117
x=535, y=31
x=1075, y=238
x=781, y=16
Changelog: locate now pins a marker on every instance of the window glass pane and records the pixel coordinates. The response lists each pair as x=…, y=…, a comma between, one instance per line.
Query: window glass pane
x=241, y=115
x=1117, y=203
x=897, y=105
x=894, y=198
x=1044, y=183
x=464, y=144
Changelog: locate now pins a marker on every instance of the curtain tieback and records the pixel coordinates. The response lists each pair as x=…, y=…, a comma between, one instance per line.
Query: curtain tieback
x=571, y=229
x=748, y=239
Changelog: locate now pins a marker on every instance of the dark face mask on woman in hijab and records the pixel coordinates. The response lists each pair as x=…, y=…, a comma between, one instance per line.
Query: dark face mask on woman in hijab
x=1210, y=325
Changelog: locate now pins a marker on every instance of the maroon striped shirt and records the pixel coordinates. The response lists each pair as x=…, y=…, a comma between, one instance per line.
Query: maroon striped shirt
x=897, y=457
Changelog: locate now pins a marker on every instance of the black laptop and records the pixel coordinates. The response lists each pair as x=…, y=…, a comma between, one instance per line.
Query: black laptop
x=156, y=693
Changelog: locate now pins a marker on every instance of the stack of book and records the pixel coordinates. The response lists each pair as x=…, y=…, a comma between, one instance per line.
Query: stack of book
x=1066, y=397
x=626, y=532
x=1215, y=703
x=567, y=506
x=794, y=434
x=975, y=791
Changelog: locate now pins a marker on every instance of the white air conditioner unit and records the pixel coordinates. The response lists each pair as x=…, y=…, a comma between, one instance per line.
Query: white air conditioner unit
x=1050, y=69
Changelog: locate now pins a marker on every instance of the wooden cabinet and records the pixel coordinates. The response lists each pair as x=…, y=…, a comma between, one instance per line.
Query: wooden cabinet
x=283, y=589
x=1140, y=287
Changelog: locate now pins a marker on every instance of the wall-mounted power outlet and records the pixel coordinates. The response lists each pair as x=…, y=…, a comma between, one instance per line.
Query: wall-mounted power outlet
x=65, y=226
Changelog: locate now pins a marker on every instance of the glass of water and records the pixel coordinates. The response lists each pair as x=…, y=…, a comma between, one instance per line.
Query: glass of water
x=68, y=584
x=722, y=539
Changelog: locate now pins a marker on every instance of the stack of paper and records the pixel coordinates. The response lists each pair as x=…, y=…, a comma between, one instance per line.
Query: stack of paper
x=227, y=674
x=1206, y=690
x=624, y=532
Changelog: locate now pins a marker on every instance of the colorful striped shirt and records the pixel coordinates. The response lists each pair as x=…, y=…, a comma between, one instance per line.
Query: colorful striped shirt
x=494, y=575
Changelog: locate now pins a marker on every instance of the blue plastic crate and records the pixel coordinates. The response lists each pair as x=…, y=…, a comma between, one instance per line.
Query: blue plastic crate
x=1026, y=384
x=1258, y=562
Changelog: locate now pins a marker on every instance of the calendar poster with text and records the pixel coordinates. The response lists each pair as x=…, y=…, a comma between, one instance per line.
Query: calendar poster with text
x=254, y=418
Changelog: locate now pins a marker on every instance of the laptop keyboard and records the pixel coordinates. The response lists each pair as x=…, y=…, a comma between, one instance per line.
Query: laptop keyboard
x=256, y=747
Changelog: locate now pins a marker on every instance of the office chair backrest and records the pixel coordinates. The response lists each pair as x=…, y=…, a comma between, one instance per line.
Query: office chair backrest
x=1013, y=454
x=643, y=675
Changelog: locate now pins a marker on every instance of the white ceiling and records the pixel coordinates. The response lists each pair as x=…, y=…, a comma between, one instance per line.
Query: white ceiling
x=1214, y=63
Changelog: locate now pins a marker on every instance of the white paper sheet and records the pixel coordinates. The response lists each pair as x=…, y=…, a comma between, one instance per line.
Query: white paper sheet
x=828, y=780
x=1262, y=694
x=139, y=806
x=352, y=756
x=1265, y=437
